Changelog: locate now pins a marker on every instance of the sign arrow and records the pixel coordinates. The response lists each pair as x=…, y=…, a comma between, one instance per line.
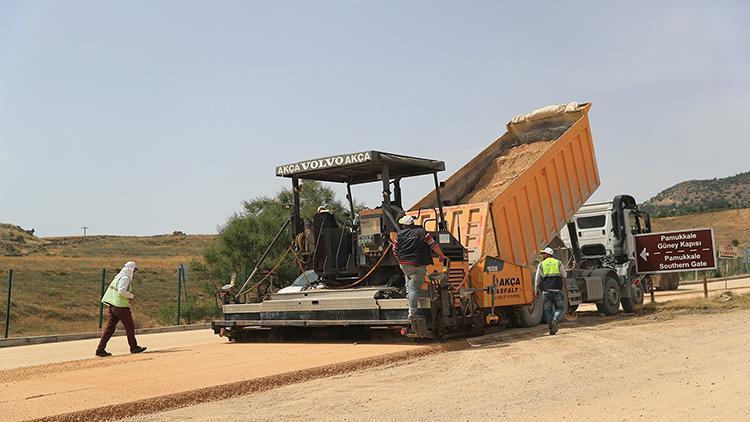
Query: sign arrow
x=644, y=255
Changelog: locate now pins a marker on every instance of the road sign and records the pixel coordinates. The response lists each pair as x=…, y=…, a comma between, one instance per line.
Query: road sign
x=669, y=252
x=728, y=251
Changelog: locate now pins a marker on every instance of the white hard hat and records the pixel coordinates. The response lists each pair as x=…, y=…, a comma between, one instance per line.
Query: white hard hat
x=322, y=209
x=406, y=220
x=548, y=251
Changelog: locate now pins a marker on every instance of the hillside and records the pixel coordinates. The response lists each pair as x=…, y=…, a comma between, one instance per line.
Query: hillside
x=21, y=250
x=728, y=225
x=694, y=196
x=15, y=241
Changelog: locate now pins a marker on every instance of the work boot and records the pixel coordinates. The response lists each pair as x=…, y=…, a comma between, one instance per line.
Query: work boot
x=139, y=349
x=553, y=327
x=103, y=353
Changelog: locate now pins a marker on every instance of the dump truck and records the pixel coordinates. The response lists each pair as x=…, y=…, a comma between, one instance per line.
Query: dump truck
x=603, y=234
x=490, y=218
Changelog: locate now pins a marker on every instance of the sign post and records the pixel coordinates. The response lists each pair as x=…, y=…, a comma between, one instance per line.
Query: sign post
x=705, y=286
x=678, y=251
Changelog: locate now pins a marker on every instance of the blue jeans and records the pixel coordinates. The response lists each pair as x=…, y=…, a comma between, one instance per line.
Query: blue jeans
x=553, y=306
x=414, y=275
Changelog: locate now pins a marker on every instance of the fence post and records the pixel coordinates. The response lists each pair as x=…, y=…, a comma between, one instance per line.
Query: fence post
x=101, y=296
x=179, y=291
x=7, y=305
x=184, y=286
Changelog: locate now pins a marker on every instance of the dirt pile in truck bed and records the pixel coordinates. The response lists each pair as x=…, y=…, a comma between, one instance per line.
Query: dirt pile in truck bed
x=499, y=175
x=506, y=168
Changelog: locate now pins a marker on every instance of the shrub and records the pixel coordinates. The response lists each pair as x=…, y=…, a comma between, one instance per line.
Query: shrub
x=192, y=312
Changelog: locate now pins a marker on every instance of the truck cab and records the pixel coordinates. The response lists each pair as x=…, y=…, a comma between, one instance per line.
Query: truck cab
x=605, y=234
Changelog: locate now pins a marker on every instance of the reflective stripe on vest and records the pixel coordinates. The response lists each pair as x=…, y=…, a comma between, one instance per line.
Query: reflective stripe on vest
x=550, y=267
x=112, y=297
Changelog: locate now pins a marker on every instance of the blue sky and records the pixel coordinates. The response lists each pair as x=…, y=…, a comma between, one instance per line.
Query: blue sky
x=144, y=117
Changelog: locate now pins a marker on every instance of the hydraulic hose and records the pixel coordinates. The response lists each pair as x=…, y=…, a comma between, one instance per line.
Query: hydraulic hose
x=267, y=275
x=374, y=267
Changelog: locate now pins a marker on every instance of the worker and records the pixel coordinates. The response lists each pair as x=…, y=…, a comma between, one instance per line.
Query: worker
x=549, y=283
x=324, y=219
x=118, y=297
x=413, y=250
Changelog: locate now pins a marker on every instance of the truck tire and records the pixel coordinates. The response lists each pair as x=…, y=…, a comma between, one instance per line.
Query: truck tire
x=666, y=281
x=611, y=302
x=529, y=315
x=631, y=304
x=674, y=281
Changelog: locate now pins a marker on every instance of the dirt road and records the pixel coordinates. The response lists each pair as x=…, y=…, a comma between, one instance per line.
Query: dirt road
x=176, y=362
x=693, y=367
x=600, y=354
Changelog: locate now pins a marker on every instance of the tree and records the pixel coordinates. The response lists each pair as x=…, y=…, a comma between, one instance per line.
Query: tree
x=246, y=234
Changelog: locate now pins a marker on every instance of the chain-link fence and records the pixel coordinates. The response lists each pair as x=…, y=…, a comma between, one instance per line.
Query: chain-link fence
x=59, y=302
x=725, y=267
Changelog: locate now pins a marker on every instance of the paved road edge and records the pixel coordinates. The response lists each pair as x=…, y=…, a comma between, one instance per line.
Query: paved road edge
x=25, y=341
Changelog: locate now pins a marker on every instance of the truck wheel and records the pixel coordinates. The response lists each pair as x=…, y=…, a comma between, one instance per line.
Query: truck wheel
x=529, y=315
x=630, y=304
x=667, y=281
x=674, y=281
x=611, y=303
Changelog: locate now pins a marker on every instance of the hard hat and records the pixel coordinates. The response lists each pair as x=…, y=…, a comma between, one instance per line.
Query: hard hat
x=322, y=209
x=406, y=220
x=548, y=251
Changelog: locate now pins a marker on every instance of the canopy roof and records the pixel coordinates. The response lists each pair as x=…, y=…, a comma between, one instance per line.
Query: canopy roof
x=359, y=167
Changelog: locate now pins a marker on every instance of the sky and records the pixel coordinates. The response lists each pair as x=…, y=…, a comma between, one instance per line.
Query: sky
x=145, y=117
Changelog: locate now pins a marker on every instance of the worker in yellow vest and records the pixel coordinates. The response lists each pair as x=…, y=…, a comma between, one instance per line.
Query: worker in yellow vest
x=118, y=297
x=549, y=283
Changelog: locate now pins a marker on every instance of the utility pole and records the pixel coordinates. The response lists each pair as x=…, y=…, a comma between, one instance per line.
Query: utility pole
x=84, y=232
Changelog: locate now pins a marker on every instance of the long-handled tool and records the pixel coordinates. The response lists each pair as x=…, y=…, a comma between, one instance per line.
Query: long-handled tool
x=263, y=257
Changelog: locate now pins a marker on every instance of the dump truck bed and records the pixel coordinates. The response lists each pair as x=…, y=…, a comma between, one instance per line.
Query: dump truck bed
x=533, y=179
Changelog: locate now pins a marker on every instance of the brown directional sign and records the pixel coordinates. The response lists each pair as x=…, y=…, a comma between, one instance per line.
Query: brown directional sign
x=668, y=252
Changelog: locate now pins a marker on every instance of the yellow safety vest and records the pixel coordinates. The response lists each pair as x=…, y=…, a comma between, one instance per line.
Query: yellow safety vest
x=550, y=267
x=113, y=297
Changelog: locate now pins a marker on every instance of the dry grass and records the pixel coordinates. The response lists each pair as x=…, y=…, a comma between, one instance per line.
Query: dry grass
x=724, y=302
x=55, y=290
x=728, y=225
